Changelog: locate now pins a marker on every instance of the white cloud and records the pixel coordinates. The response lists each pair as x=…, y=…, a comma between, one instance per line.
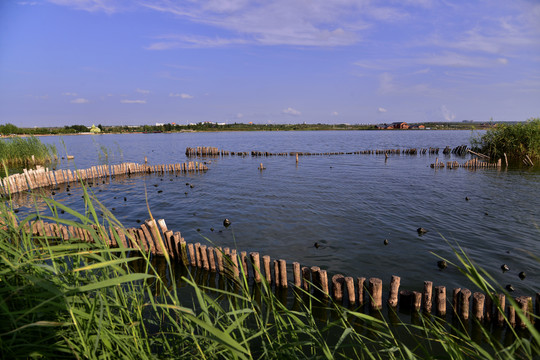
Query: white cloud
x=280, y=22
x=291, y=111
x=141, y=91
x=79, y=101
x=182, y=95
x=502, y=61
x=382, y=110
x=386, y=83
x=133, y=101
x=447, y=114
x=108, y=7
x=69, y=94
x=239, y=115
x=334, y=113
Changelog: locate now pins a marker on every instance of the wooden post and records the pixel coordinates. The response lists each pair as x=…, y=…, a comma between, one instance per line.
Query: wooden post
x=267, y=272
x=183, y=251
x=478, y=305
x=511, y=315
x=375, y=293
x=323, y=280
x=464, y=303
x=360, y=285
x=276, y=274
x=455, y=300
x=296, y=274
x=316, y=278
x=417, y=300
x=297, y=158
x=211, y=259
x=337, y=287
x=440, y=300
x=219, y=256
x=192, y=259
x=525, y=304
x=488, y=307
x=349, y=282
x=283, y=273
x=204, y=258
x=306, y=279
x=243, y=258
x=256, y=266
x=394, y=290
x=234, y=258
x=501, y=299
x=198, y=254
x=427, y=295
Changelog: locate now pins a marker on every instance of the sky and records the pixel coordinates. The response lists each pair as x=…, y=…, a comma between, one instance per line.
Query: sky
x=120, y=62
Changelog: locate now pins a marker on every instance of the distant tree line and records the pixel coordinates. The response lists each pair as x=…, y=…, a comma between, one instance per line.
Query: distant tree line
x=10, y=129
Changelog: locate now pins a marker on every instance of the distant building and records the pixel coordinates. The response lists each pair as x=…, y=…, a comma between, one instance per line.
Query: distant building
x=400, y=125
x=160, y=124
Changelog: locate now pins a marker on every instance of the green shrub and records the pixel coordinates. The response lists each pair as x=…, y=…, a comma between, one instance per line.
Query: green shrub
x=515, y=141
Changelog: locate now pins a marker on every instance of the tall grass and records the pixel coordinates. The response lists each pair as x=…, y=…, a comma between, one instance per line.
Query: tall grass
x=69, y=299
x=18, y=151
x=515, y=141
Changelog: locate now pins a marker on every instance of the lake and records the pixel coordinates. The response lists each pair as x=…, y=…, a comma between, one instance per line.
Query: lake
x=349, y=204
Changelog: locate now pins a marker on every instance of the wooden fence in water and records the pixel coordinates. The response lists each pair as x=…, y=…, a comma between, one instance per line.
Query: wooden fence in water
x=203, y=151
x=42, y=177
x=154, y=237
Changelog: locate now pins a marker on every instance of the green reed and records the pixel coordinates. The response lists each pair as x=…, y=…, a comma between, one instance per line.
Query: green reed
x=18, y=151
x=72, y=299
x=515, y=141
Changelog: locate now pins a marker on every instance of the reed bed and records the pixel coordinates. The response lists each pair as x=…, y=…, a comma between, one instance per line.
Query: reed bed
x=75, y=299
x=517, y=141
x=25, y=151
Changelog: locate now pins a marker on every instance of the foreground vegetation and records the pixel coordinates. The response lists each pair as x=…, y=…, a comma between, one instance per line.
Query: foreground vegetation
x=82, y=300
x=18, y=152
x=516, y=141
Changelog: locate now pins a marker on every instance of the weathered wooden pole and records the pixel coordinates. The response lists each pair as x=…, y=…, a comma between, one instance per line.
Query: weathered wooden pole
x=525, y=305
x=455, y=300
x=375, y=293
x=440, y=300
x=267, y=272
x=283, y=273
x=306, y=278
x=427, y=295
x=464, y=303
x=277, y=278
x=323, y=280
x=337, y=287
x=243, y=258
x=192, y=259
x=211, y=259
x=204, y=258
x=478, y=306
x=349, y=283
x=297, y=274
x=234, y=259
x=417, y=300
x=501, y=302
x=198, y=254
x=219, y=256
x=254, y=256
x=360, y=285
x=316, y=278
x=511, y=315
x=394, y=291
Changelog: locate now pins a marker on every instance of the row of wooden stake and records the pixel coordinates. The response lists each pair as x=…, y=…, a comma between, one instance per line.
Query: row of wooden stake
x=154, y=237
x=469, y=164
x=42, y=177
x=214, y=151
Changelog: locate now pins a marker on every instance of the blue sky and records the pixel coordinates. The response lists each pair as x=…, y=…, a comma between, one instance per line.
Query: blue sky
x=119, y=62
